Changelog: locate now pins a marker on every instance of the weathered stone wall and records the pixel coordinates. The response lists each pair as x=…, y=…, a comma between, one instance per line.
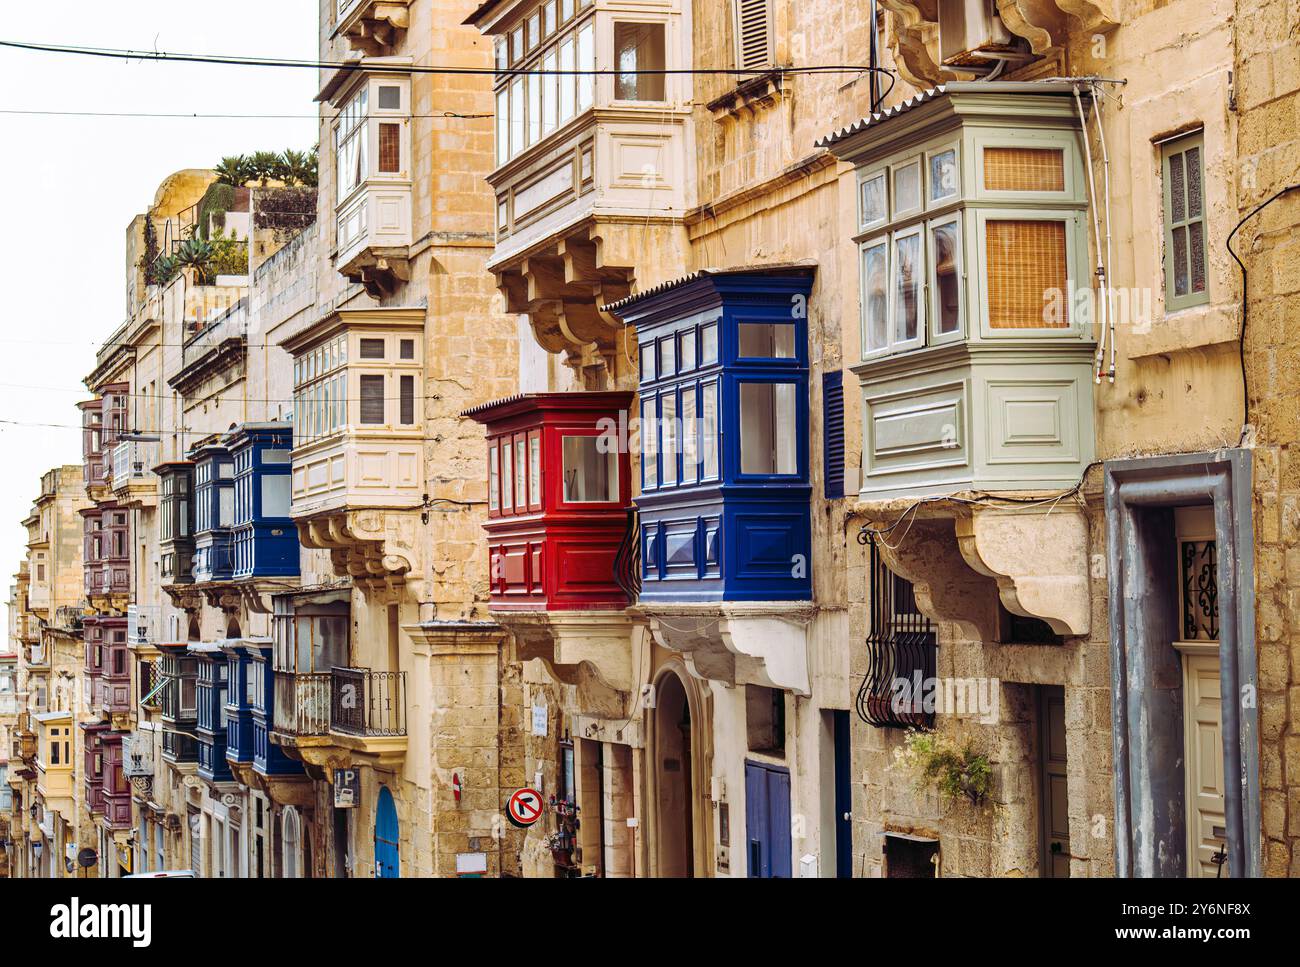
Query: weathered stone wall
x=1268, y=144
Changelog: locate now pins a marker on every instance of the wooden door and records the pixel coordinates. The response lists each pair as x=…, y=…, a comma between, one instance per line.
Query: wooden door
x=1203, y=758
x=1054, y=820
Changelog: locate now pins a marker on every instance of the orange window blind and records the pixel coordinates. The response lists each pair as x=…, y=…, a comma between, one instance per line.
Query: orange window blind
x=1024, y=169
x=1026, y=274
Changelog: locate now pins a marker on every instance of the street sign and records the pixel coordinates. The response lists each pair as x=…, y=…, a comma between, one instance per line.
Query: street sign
x=347, y=788
x=524, y=808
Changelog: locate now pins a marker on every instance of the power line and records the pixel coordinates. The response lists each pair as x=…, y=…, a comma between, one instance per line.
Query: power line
x=119, y=53
x=200, y=115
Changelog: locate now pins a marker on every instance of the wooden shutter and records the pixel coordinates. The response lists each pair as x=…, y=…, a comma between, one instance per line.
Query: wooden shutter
x=407, y=400
x=833, y=433
x=372, y=399
x=753, y=34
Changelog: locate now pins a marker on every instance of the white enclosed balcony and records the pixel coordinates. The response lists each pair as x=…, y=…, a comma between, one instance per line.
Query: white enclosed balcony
x=593, y=170
x=371, y=136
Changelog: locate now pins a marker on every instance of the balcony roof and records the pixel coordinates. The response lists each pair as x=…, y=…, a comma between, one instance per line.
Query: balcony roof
x=1046, y=86
x=802, y=267
x=530, y=402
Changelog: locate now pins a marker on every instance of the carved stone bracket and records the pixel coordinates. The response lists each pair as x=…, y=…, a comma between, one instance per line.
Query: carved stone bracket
x=590, y=650
x=945, y=587
x=376, y=548
x=375, y=27
x=739, y=644
x=381, y=270
x=1039, y=560
x=184, y=596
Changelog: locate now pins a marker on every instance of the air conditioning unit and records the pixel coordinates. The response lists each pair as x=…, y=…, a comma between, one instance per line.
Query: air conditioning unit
x=971, y=34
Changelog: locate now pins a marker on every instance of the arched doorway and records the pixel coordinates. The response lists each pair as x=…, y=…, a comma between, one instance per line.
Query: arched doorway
x=387, y=862
x=290, y=840
x=673, y=773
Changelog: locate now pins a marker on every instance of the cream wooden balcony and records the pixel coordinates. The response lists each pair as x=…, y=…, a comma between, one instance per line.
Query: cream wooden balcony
x=594, y=172
x=374, y=233
x=358, y=456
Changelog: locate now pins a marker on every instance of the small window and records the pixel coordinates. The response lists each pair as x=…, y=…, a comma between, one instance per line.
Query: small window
x=372, y=399
x=907, y=188
x=1026, y=263
x=766, y=340
x=1184, y=205
x=668, y=420
x=646, y=359
x=494, y=481
x=639, y=48
x=1024, y=169
x=690, y=431
x=709, y=344
x=372, y=349
x=507, y=476
x=407, y=400
x=667, y=360
x=407, y=349
x=765, y=719
x=590, y=476
x=390, y=148
x=687, y=352
x=649, y=444
x=534, y=468
x=945, y=268
x=390, y=97
x=907, y=284
x=875, y=288
x=871, y=200
x=944, y=176
x=767, y=428
x=521, y=473
x=709, y=431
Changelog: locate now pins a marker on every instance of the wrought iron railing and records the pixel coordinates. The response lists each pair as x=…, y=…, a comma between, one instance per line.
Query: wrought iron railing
x=627, y=563
x=901, y=653
x=302, y=703
x=365, y=702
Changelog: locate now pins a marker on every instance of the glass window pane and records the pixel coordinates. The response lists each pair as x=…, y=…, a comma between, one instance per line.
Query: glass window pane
x=874, y=287
x=390, y=148
x=589, y=475
x=872, y=200
x=568, y=83
x=708, y=344
x=667, y=361
x=534, y=84
x=943, y=175
x=766, y=340
x=1025, y=264
x=1177, y=188
x=907, y=188
x=503, y=126
x=668, y=420
x=550, y=92
x=1180, y=260
x=690, y=450
x=521, y=472
x=587, y=62
x=372, y=349
x=516, y=116
x=534, y=468
x=494, y=482
x=649, y=444
x=687, y=351
x=507, y=476
x=767, y=428
x=1196, y=236
x=709, y=430
x=945, y=261
x=907, y=287
x=1193, y=182
x=639, y=47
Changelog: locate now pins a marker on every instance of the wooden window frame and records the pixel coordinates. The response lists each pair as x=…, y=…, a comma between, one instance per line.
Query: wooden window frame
x=1169, y=150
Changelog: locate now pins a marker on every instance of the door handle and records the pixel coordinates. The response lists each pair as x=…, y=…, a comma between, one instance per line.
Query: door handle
x=847, y=817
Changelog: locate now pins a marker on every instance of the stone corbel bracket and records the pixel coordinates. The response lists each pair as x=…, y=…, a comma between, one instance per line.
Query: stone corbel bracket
x=761, y=644
x=1039, y=560
x=945, y=588
x=589, y=650
x=376, y=548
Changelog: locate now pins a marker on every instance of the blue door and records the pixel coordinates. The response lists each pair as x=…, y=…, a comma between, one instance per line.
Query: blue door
x=843, y=797
x=767, y=820
x=387, y=863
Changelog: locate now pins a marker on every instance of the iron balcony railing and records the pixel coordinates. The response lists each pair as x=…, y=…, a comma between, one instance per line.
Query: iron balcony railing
x=302, y=703
x=902, y=650
x=627, y=563
x=369, y=703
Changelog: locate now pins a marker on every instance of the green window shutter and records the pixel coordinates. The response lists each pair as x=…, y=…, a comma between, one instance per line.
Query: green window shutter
x=1186, y=264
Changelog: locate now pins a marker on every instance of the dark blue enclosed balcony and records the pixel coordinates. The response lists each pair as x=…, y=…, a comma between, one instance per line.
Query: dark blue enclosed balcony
x=268, y=758
x=214, y=512
x=239, y=712
x=724, y=503
x=210, y=727
x=265, y=538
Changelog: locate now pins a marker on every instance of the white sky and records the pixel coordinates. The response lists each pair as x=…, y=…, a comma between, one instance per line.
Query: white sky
x=72, y=184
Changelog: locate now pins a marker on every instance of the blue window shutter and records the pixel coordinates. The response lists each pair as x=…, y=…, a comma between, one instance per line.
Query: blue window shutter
x=833, y=433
